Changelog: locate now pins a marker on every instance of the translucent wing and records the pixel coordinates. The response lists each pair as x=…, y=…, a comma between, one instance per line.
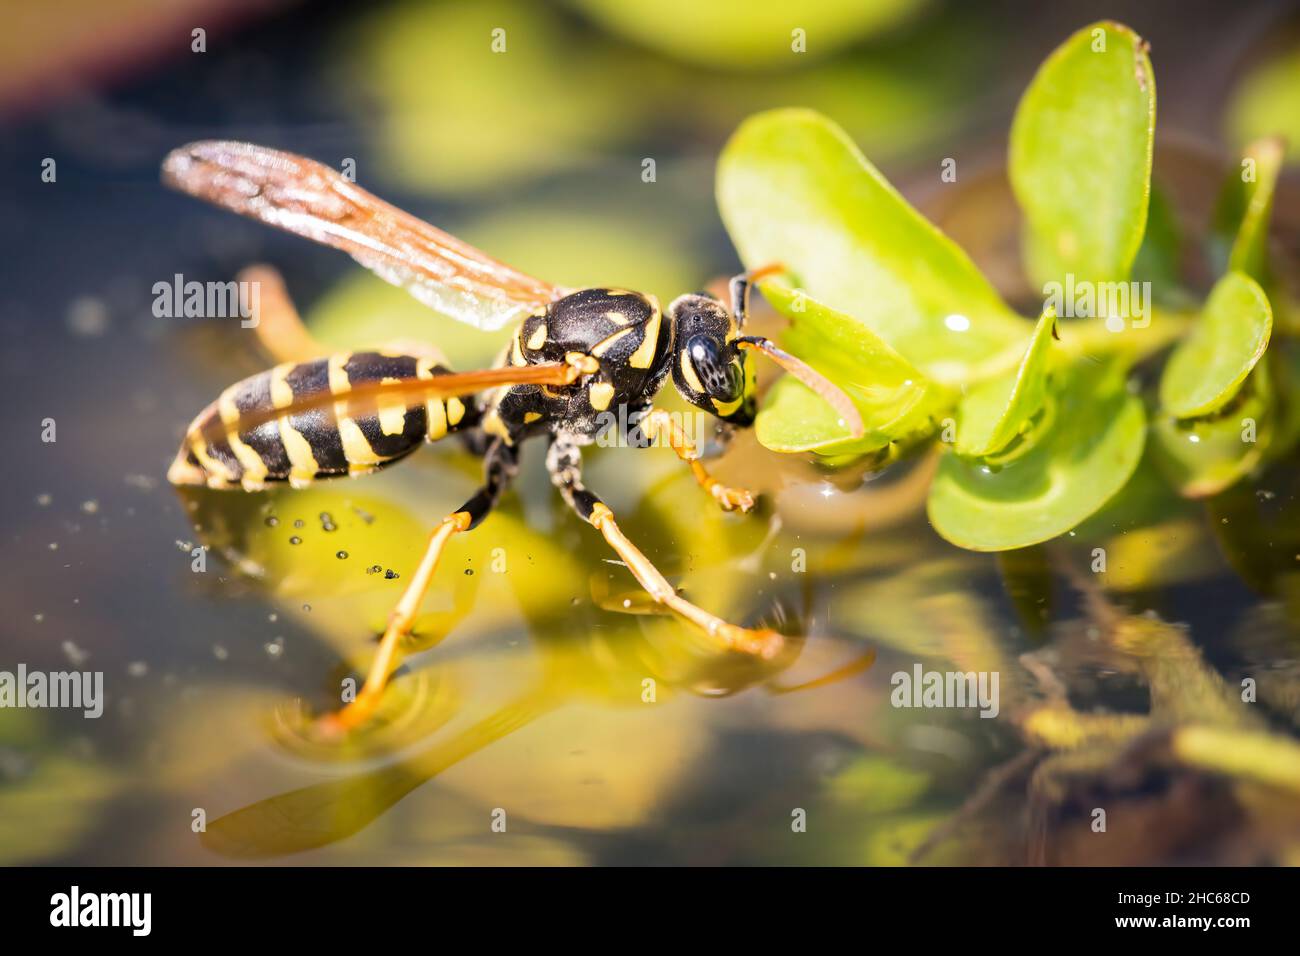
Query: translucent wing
x=311, y=200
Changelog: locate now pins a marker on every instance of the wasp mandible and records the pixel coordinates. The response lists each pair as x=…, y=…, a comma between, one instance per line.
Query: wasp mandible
x=574, y=355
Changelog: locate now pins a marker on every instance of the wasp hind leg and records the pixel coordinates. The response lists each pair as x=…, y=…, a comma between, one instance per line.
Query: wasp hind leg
x=564, y=462
x=658, y=423
x=284, y=336
x=279, y=327
x=499, y=468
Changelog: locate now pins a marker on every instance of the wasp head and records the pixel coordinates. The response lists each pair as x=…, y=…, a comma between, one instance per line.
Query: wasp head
x=709, y=368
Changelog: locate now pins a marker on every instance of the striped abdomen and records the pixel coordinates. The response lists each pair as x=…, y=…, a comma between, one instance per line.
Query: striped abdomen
x=299, y=422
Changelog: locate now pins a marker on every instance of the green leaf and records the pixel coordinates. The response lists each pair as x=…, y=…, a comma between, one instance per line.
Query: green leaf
x=1244, y=209
x=1081, y=148
x=895, y=400
x=793, y=189
x=1159, y=259
x=1267, y=102
x=745, y=33
x=1092, y=446
x=1207, y=368
x=1203, y=456
x=998, y=410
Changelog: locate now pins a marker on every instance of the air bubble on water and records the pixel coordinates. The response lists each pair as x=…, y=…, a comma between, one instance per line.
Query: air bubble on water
x=327, y=521
x=54, y=546
x=219, y=652
x=307, y=608
x=469, y=571
x=391, y=575
x=275, y=648
x=44, y=499
x=364, y=515
x=38, y=617
x=373, y=569
x=272, y=521
x=341, y=555
x=137, y=668
x=295, y=540
x=299, y=523
x=90, y=507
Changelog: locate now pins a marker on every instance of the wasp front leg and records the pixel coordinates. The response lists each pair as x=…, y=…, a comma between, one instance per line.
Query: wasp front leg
x=500, y=466
x=564, y=462
x=657, y=423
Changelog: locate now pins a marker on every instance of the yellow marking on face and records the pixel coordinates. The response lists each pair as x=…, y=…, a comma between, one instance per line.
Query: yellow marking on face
x=255, y=469
x=617, y=317
x=688, y=372
x=517, y=351
x=603, y=346
x=727, y=408
x=600, y=395
x=538, y=338
x=530, y=417
x=645, y=352
x=455, y=411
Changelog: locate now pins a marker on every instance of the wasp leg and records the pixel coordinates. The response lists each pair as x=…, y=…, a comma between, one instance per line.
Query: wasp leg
x=739, y=288
x=564, y=462
x=499, y=468
x=280, y=330
x=657, y=422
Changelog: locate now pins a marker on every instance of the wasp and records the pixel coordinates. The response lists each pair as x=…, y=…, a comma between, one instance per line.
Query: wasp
x=575, y=354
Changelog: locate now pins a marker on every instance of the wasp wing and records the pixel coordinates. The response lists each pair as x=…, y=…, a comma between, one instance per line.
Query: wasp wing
x=309, y=199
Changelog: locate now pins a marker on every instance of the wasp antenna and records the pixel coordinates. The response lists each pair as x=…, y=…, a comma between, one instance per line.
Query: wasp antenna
x=832, y=394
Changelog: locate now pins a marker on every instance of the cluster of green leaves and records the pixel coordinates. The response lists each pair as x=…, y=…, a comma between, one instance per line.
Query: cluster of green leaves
x=1042, y=422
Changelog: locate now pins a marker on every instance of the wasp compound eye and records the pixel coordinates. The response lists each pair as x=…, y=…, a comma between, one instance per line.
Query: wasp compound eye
x=719, y=377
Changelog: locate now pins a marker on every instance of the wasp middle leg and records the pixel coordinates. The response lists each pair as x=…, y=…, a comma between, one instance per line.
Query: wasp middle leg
x=499, y=468
x=658, y=423
x=564, y=462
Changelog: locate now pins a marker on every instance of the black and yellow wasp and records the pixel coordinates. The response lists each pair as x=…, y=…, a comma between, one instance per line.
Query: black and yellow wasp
x=575, y=355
